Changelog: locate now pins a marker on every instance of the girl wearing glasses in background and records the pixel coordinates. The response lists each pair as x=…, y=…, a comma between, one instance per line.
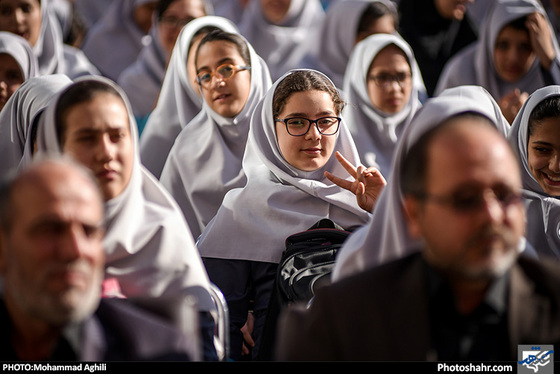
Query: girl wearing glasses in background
x=294, y=135
x=383, y=85
x=205, y=160
x=180, y=98
x=536, y=137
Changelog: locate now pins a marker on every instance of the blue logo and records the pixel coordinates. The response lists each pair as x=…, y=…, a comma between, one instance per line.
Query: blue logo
x=534, y=359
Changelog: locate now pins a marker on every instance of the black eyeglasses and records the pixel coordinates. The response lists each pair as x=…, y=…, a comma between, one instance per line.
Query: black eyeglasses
x=385, y=80
x=174, y=22
x=472, y=201
x=299, y=126
x=224, y=72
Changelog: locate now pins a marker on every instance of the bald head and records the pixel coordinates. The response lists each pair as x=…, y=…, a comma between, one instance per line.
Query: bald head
x=51, y=253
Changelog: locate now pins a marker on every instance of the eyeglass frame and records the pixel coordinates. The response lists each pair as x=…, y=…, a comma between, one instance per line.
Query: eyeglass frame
x=236, y=69
x=311, y=122
x=451, y=200
x=393, y=78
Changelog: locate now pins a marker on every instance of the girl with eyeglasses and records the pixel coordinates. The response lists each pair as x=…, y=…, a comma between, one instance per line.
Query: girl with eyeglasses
x=297, y=147
x=180, y=98
x=384, y=90
x=205, y=160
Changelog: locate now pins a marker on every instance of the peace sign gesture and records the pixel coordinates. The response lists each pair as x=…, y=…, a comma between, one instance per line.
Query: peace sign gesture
x=367, y=185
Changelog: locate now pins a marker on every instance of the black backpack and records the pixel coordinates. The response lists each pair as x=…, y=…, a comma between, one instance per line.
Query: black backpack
x=306, y=265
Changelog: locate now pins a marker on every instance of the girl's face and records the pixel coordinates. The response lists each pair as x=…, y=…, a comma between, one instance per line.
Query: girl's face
x=97, y=134
x=177, y=15
x=383, y=25
x=275, y=10
x=389, y=80
x=312, y=150
x=513, y=54
x=225, y=97
x=142, y=15
x=21, y=17
x=543, y=155
x=11, y=77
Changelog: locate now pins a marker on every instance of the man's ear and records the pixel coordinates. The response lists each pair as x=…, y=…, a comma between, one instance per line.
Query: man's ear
x=412, y=214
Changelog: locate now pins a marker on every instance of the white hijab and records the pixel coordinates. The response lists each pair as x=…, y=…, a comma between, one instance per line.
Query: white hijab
x=284, y=46
x=278, y=199
x=205, y=160
x=149, y=248
x=178, y=102
x=385, y=237
x=475, y=64
x=543, y=210
x=19, y=113
x=338, y=38
x=53, y=55
x=375, y=132
x=114, y=41
x=17, y=47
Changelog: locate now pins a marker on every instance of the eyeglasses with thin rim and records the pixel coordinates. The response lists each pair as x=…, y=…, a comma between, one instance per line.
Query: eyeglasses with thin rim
x=224, y=72
x=469, y=202
x=174, y=22
x=383, y=80
x=299, y=126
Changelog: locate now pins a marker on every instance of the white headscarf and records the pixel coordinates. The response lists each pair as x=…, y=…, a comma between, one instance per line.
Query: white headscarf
x=543, y=210
x=19, y=114
x=475, y=64
x=338, y=38
x=53, y=55
x=205, y=161
x=375, y=132
x=284, y=46
x=385, y=237
x=114, y=41
x=278, y=199
x=178, y=103
x=17, y=47
x=149, y=248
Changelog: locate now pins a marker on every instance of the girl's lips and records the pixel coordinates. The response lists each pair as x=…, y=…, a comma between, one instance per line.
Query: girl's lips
x=312, y=151
x=107, y=174
x=222, y=97
x=551, y=180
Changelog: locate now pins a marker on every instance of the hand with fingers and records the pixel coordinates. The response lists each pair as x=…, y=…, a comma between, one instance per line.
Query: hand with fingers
x=541, y=39
x=367, y=185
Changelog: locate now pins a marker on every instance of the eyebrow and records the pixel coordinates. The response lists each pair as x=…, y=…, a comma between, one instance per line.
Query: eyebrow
x=221, y=62
x=325, y=113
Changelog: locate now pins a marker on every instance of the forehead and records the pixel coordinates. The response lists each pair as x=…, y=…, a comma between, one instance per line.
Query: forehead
x=389, y=58
x=102, y=109
x=309, y=103
x=513, y=34
x=470, y=152
x=214, y=52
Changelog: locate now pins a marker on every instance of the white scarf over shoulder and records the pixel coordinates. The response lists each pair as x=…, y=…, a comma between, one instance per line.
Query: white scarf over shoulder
x=475, y=64
x=278, y=199
x=375, y=132
x=284, y=46
x=19, y=113
x=178, y=102
x=543, y=210
x=149, y=248
x=385, y=237
x=205, y=160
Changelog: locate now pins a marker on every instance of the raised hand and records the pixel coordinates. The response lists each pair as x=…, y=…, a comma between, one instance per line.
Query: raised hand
x=367, y=185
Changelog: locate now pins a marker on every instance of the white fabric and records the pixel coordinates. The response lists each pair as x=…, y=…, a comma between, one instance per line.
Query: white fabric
x=475, y=64
x=543, y=210
x=114, y=41
x=205, y=160
x=284, y=46
x=178, y=103
x=375, y=132
x=149, y=248
x=18, y=115
x=278, y=199
x=142, y=80
x=53, y=55
x=338, y=38
x=385, y=237
x=17, y=47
